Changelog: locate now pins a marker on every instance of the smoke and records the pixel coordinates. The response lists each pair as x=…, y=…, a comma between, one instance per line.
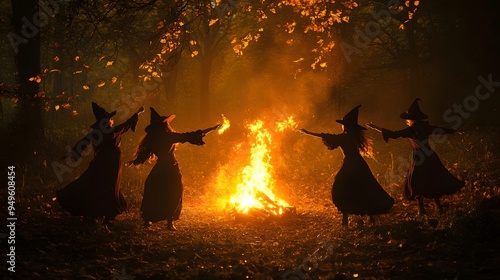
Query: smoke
x=266, y=86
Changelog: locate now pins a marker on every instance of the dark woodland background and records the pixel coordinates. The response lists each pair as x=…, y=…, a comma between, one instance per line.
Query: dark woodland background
x=253, y=60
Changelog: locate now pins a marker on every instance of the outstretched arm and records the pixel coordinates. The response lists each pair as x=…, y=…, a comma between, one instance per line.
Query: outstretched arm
x=388, y=134
x=314, y=134
x=194, y=137
x=404, y=133
x=210, y=129
x=131, y=123
x=330, y=140
x=409, y=132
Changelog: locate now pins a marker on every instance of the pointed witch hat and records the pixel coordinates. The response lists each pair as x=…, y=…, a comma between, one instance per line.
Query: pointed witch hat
x=100, y=113
x=414, y=112
x=156, y=118
x=351, y=119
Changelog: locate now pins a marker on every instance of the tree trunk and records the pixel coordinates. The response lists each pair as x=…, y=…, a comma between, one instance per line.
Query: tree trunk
x=170, y=84
x=169, y=81
x=414, y=79
x=27, y=128
x=205, y=100
x=58, y=81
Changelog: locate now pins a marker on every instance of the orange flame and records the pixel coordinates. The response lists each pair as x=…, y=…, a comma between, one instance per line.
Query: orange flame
x=255, y=189
x=225, y=125
x=289, y=123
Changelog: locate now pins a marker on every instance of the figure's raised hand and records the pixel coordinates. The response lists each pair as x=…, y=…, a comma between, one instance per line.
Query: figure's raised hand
x=196, y=138
x=371, y=125
x=210, y=129
x=140, y=111
x=302, y=130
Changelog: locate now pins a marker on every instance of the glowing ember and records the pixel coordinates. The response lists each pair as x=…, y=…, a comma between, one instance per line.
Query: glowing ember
x=255, y=189
x=225, y=125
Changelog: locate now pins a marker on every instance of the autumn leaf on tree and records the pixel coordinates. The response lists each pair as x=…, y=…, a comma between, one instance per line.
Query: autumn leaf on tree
x=37, y=79
x=212, y=22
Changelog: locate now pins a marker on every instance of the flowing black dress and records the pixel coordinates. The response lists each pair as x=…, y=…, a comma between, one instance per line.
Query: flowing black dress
x=163, y=188
x=355, y=189
x=427, y=176
x=96, y=192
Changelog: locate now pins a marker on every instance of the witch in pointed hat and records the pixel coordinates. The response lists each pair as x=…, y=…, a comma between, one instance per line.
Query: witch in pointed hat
x=414, y=113
x=101, y=115
x=355, y=190
x=163, y=188
x=96, y=193
x=427, y=177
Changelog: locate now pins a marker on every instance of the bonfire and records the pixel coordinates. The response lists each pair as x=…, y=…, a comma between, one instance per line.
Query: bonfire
x=254, y=195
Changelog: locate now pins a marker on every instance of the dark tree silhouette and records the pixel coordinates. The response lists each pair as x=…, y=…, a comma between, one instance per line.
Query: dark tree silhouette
x=27, y=128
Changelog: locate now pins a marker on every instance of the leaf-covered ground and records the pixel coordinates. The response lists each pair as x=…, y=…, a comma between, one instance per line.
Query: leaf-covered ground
x=462, y=243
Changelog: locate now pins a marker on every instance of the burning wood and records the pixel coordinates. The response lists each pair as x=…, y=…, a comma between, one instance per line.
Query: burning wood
x=271, y=209
x=262, y=214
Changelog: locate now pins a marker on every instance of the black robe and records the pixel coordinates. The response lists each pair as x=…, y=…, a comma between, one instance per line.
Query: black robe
x=355, y=189
x=163, y=188
x=96, y=193
x=427, y=176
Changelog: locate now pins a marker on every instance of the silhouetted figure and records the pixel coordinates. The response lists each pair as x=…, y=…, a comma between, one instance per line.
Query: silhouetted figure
x=355, y=189
x=163, y=188
x=427, y=177
x=96, y=193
